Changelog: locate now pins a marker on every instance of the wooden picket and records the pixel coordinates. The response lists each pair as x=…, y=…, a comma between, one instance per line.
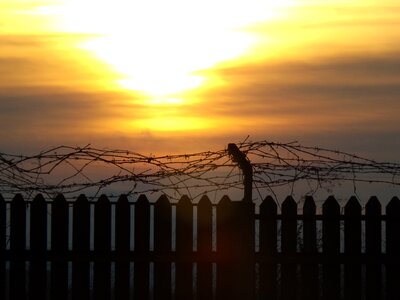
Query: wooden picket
x=309, y=284
x=3, y=243
x=142, y=248
x=204, y=249
x=373, y=242
x=165, y=264
x=81, y=248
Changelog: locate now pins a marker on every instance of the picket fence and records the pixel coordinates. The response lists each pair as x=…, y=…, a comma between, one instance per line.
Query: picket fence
x=80, y=249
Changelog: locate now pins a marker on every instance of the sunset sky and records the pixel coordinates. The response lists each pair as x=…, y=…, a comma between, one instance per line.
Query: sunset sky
x=179, y=76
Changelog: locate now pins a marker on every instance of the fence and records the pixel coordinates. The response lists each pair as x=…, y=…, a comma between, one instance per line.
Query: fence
x=123, y=250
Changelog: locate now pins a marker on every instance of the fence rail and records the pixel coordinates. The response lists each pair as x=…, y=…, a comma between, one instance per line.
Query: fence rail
x=141, y=250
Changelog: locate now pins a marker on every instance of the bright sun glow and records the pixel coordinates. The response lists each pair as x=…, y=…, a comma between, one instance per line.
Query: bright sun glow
x=157, y=46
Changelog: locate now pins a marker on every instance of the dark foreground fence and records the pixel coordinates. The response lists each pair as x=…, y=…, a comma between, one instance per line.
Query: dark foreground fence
x=142, y=250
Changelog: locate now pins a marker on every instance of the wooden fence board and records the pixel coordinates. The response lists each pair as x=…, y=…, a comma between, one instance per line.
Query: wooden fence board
x=268, y=248
x=352, y=246
x=3, y=243
x=204, y=249
x=393, y=248
x=162, y=245
x=289, y=243
x=310, y=284
x=331, y=245
x=142, y=243
x=38, y=245
x=59, y=245
x=17, y=247
x=184, y=247
x=122, y=247
x=81, y=247
x=373, y=242
x=102, y=246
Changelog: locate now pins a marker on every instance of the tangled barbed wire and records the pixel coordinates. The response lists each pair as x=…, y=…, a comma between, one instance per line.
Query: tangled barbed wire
x=71, y=170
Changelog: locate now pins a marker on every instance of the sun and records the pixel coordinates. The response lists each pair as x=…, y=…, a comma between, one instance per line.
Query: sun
x=158, y=47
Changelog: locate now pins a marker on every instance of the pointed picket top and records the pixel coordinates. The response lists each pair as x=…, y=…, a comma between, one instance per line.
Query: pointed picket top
x=289, y=206
x=82, y=199
x=309, y=207
x=393, y=208
x=352, y=207
x=103, y=199
x=18, y=199
x=184, y=201
x=225, y=200
x=60, y=199
x=162, y=200
x=39, y=199
x=331, y=206
x=123, y=200
x=205, y=201
x=268, y=206
x=142, y=200
x=373, y=207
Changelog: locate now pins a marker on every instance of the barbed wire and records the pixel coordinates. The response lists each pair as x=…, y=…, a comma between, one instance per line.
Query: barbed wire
x=72, y=170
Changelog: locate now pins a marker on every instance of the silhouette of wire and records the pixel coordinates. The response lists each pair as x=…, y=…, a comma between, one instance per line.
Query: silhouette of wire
x=72, y=170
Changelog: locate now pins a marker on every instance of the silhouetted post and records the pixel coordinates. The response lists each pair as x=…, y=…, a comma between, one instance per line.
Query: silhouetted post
x=81, y=247
x=184, y=249
x=2, y=246
x=235, y=247
x=59, y=248
x=142, y=243
x=244, y=164
x=102, y=248
x=393, y=248
x=122, y=247
x=309, y=272
x=352, y=247
x=204, y=249
x=331, y=246
x=17, y=247
x=38, y=245
x=373, y=248
x=162, y=247
x=268, y=249
x=289, y=243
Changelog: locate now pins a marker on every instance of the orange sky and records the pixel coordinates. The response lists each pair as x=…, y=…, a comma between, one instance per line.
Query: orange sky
x=181, y=76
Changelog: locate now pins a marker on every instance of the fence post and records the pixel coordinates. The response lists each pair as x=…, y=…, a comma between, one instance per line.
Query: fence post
x=162, y=247
x=204, y=249
x=289, y=243
x=268, y=248
x=331, y=246
x=59, y=248
x=373, y=240
x=3, y=242
x=309, y=272
x=17, y=247
x=38, y=246
x=392, y=248
x=184, y=249
x=81, y=247
x=122, y=247
x=244, y=164
x=142, y=242
x=102, y=247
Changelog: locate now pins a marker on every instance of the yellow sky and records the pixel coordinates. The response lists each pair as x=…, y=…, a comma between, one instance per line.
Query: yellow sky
x=106, y=70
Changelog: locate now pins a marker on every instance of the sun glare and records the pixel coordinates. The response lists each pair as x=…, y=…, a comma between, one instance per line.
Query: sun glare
x=163, y=50
x=157, y=46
